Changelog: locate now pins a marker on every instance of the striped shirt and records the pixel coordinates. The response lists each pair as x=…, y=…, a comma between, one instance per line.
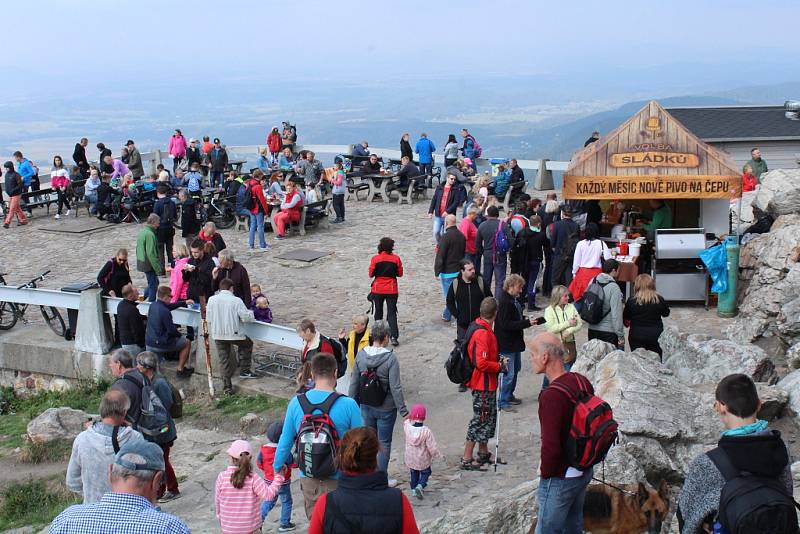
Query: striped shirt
x=239, y=510
x=120, y=513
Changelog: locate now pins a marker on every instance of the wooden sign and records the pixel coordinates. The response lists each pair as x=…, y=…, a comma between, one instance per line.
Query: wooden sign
x=655, y=159
x=651, y=186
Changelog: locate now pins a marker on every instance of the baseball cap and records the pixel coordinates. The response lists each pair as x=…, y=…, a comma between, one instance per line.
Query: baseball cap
x=274, y=431
x=129, y=142
x=238, y=447
x=8, y=165
x=418, y=412
x=192, y=140
x=216, y=140
x=151, y=457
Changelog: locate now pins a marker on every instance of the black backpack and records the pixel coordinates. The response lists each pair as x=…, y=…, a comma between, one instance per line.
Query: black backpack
x=168, y=213
x=751, y=504
x=573, y=238
x=317, y=440
x=593, y=303
x=370, y=389
x=338, y=353
x=459, y=365
x=154, y=420
x=248, y=200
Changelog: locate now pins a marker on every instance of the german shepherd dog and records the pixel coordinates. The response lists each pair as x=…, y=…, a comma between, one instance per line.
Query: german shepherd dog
x=607, y=510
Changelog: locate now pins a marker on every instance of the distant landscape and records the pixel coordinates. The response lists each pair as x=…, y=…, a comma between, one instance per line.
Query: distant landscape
x=524, y=116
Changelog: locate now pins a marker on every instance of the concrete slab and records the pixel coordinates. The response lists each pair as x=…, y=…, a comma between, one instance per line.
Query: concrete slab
x=303, y=254
x=70, y=225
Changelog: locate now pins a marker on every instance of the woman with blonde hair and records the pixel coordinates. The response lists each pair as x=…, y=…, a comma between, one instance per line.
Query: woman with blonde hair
x=643, y=313
x=563, y=320
x=481, y=187
x=178, y=285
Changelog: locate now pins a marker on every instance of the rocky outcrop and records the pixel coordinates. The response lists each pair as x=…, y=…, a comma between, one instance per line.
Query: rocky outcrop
x=746, y=217
x=662, y=421
x=695, y=358
x=769, y=286
x=773, y=401
x=791, y=385
x=779, y=193
x=56, y=424
x=516, y=514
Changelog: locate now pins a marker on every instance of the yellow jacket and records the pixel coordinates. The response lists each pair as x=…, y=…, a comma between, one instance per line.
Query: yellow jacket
x=352, y=350
x=558, y=321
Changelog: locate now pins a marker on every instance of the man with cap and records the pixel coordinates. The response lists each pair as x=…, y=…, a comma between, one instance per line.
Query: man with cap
x=264, y=462
x=14, y=189
x=134, y=160
x=193, y=153
x=129, y=507
x=218, y=158
x=147, y=363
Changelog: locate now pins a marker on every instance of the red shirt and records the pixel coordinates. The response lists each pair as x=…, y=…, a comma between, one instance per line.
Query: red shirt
x=386, y=268
x=318, y=517
x=470, y=232
x=258, y=192
x=482, y=349
x=749, y=182
x=555, y=419
x=443, y=203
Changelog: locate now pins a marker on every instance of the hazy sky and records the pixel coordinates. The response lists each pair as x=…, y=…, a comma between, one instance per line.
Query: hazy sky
x=117, y=43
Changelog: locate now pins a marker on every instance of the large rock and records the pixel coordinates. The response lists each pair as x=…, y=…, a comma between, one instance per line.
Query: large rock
x=779, y=193
x=773, y=401
x=796, y=479
x=695, y=358
x=515, y=513
x=769, y=286
x=662, y=421
x=56, y=423
x=791, y=385
x=590, y=354
x=746, y=218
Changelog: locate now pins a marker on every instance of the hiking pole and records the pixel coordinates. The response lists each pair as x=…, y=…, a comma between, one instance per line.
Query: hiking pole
x=497, y=430
x=205, y=342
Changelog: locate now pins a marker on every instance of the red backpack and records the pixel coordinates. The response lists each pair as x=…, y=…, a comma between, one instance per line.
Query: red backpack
x=593, y=430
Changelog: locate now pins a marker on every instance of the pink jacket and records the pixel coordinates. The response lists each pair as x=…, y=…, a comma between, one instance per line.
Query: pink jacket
x=59, y=178
x=239, y=510
x=176, y=282
x=177, y=146
x=421, y=446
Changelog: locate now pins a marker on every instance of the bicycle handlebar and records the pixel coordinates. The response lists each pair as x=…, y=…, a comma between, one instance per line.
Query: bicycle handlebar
x=32, y=282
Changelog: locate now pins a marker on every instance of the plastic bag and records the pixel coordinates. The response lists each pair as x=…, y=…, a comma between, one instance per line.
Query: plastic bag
x=716, y=262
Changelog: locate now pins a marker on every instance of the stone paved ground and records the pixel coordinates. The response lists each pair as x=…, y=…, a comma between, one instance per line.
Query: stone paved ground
x=330, y=291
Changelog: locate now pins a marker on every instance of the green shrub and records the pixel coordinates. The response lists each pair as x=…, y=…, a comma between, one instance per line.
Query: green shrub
x=33, y=503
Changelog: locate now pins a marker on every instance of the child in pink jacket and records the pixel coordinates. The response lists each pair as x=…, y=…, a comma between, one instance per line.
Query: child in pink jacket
x=421, y=449
x=239, y=492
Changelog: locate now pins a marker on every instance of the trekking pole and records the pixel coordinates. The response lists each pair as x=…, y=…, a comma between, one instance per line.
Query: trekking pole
x=497, y=430
x=205, y=342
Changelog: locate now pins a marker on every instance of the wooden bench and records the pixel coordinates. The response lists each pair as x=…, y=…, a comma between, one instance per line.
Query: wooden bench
x=514, y=190
x=417, y=186
x=314, y=214
x=45, y=197
x=354, y=187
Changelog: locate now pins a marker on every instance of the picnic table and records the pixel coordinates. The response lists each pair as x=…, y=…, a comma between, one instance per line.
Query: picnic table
x=236, y=165
x=378, y=184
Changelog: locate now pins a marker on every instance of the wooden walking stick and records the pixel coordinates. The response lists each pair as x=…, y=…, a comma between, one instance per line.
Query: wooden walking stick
x=205, y=342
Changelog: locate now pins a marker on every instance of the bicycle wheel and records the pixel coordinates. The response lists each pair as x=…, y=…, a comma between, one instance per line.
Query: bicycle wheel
x=8, y=315
x=54, y=320
x=178, y=214
x=226, y=218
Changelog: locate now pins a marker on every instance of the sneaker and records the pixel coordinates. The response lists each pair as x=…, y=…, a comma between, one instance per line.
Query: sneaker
x=446, y=318
x=169, y=496
x=5, y=226
x=414, y=492
x=509, y=409
x=58, y=216
x=288, y=527
x=462, y=388
x=265, y=249
x=515, y=401
x=419, y=492
x=392, y=482
x=248, y=374
x=395, y=342
x=68, y=212
x=186, y=372
x=280, y=237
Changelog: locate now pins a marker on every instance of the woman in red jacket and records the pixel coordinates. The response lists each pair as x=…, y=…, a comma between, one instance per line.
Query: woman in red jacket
x=386, y=268
x=274, y=143
x=482, y=350
x=749, y=180
x=258, y=211
x=363, y=500
x=291, y=210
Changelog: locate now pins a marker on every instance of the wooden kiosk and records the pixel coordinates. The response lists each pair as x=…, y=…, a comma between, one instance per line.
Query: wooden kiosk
x=653, y=156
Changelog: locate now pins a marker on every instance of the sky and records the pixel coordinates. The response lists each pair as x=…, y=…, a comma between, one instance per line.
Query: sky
x=70, y=43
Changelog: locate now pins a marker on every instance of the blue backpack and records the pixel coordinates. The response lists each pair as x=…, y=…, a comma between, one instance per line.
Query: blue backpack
x=501, y=244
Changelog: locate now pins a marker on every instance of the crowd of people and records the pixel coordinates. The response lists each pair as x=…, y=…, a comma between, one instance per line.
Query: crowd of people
x=337, y=432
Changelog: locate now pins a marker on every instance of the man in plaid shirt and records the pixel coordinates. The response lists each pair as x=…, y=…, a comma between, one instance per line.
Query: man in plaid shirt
x=128, y=508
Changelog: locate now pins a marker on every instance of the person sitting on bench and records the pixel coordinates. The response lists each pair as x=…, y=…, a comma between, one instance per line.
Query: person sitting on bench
x=407, y=172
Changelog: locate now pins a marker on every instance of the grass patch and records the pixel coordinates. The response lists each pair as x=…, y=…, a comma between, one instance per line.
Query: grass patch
x=33, y=503
x=16, y=412
x=244, y=404
x=55, y=451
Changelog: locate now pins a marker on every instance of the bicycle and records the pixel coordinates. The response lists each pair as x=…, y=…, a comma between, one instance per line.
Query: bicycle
x=215, y=207
x=11, y=312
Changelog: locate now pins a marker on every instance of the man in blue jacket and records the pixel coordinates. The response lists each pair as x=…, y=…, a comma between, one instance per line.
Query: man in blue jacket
x=161, y=336
x=425, y=148
x=25, y=169
x=344, y=412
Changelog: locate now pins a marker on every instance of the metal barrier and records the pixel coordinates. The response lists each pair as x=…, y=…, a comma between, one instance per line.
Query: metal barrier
x=283, y=336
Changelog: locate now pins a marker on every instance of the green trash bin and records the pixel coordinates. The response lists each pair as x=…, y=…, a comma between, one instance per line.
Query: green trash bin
x=727, y=304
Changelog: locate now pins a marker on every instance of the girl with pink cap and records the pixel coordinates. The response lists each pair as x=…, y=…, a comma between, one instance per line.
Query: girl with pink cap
x=421, y=449
x=239, y=493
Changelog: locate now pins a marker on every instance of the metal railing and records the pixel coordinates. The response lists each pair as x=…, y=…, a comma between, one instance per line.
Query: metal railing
x=283, y=336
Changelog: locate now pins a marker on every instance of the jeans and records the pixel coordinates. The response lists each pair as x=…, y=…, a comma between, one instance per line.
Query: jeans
x=383, y=423
x=164, y=238
x=391, y=311
x=256, y=223
x=533, y=274
x=420, y=478
x=217, y=178
x=338, y=206
x=561, y=504
x=152, y=286
x=509, y=379
x=491, y=269
x=91, y=200
x=285, y=494
x=227, y=361
x=446, y=283
x=438, y=226
x=426, y=168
